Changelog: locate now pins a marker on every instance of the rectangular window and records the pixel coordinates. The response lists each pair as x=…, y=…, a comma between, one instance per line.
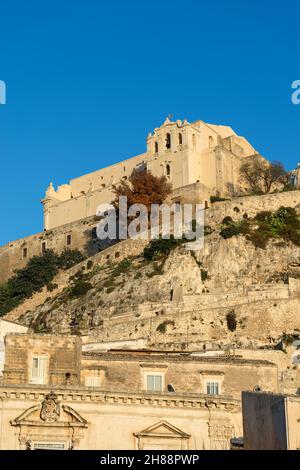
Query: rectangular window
x=92, y=381
x=154, y=383
x=48, y=446
x=44, y=247
x=24, y=253
x=212, y=388
x=69, y=240
x=38, y=370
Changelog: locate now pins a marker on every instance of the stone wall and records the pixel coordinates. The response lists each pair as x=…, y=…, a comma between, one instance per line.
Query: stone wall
x=236, y=207
x=63, y=356
x=15, y=255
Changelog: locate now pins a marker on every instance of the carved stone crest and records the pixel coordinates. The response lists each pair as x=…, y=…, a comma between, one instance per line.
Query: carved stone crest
x=50, y=410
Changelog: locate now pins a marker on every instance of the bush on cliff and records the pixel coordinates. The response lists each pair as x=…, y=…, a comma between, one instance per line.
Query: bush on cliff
x=39, y=272
x=283, y=223
x=160, y=247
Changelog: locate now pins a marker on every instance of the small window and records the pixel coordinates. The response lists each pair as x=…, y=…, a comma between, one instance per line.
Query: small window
x=24, y=253
x=44, y=247
x=92, y=381
x=69, y=240
x=180, y=138
x=194, y=142
x=168, y=140
x=38, y=370
x=154, y=382
x=168, y=170
x=211, y=142
x=212, y=388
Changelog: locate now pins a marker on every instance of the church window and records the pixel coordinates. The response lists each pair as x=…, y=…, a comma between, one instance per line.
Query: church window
x=24, y=253
x=168, y=140
x=168, y=170
x=44, y=247
x=211, y=142
x=69, y=240
x=194, y=141
x=180, y=138
x=156, y=147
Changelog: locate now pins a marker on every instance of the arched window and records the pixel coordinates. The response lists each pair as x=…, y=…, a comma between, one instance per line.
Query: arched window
x=168, y=140
x=180, y=138
x=168, y=170
x=156, y=147
x=194, y=142
x=211, y=142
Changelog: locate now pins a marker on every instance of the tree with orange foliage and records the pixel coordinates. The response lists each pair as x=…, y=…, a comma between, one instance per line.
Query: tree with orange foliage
x=142, y=187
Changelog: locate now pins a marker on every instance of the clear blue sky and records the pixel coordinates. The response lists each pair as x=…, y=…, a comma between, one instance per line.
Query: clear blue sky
x=88, y=79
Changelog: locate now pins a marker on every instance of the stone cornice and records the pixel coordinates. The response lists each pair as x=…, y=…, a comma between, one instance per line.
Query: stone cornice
x=172, y=400
x=167, y=358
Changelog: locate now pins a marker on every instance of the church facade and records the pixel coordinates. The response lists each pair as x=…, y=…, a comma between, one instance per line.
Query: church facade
x=199, y=159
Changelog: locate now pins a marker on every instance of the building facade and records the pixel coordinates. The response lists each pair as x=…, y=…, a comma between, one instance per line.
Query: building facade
x=55, y=396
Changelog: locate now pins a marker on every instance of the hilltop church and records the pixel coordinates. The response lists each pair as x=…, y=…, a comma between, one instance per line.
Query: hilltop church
x=199, y=159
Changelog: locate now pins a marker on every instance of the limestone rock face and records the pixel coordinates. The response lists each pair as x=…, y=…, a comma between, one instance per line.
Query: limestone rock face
x=182, y=272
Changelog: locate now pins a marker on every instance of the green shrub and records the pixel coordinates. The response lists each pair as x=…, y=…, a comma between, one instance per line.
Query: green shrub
x=89, y=264
x=157, y=270
x=162, y=328
x=51, y=287
x=160, y=247
x=227, y=220
x=288, y=339
x=122, y=267
x=39, y=272
x=80, y=288
x=231, y=321
x=69, y=258
x=266, y=225
x=217, y=199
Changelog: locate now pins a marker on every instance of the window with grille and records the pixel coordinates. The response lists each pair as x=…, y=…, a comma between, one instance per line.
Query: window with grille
x=212, y=388
x=92, y=381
